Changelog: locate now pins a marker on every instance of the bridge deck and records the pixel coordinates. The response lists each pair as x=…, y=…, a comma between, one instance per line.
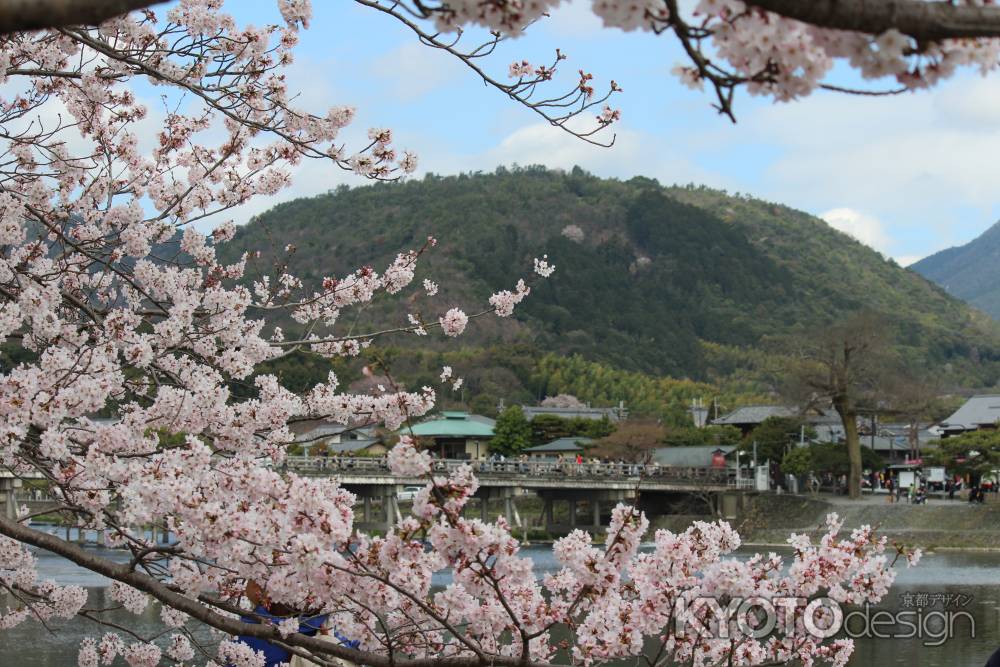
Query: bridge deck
x=530, y=474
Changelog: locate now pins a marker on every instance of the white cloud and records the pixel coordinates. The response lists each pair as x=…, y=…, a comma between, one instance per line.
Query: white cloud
x=977, y=103
x=865, y=228
x=413, y=70
x=907, y=260
x=909, y=160
x=574, y=19
x=634, y=153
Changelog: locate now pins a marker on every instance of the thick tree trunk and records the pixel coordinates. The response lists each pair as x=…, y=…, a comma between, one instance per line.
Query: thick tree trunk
x=917, y=18
x=39, y=14
x=849, y=419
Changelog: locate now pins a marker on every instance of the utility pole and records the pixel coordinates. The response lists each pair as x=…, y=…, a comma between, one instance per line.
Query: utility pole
x=873, y=432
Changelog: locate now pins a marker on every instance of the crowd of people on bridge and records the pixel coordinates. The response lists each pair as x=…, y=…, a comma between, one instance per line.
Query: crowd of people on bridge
x=496, y=463
x=565, y=464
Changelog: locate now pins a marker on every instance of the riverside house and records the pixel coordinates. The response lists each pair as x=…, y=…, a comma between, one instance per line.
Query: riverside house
x=456, y=435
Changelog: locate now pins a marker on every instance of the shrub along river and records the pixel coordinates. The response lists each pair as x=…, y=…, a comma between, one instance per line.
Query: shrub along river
x=946, y=582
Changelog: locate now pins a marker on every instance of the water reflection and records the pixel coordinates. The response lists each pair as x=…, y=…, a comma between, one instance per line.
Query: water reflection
x=972, y=575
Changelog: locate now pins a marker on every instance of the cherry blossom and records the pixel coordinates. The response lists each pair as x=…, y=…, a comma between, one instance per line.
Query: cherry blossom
x=133, y=600
x=405, y=460
x=521, y=69
x=453, y=322
x=503, y=302
x=543, y=268
x=735, y=43
x=574, y=233
x=115, y=294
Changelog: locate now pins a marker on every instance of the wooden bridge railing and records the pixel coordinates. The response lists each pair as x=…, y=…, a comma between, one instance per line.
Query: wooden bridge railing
x=366, y=467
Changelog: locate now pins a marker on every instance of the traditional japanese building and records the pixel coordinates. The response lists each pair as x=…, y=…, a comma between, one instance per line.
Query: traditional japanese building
x=978, y=413
x=568, y=447
x=456, y=435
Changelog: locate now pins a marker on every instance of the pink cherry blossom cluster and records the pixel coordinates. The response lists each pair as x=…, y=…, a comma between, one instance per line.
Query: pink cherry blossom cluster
x=406, y=461
x=519, y=70
x=511, y=16
x=503, y=302
x=543, y=268
x=614, y=598
x=453, y=322
x=446, y=375
x=133, y=600
x=739, y=43
x=788, y=59
x=18, y=573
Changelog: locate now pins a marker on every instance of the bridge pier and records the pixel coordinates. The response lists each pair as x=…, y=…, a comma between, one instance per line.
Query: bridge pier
x=8, y=488
x=391, y=503
x=510, y=511
x=505, y=493
x=575, y=518
x=389, y=511
x=728, y=504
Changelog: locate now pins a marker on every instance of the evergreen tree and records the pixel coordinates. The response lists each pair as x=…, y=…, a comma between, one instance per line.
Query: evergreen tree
x=512, y=432
x=773, y=437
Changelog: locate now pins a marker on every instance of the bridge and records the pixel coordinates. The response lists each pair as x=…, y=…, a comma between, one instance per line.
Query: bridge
x=594, y=484
x=598, y=486
x=531, y=473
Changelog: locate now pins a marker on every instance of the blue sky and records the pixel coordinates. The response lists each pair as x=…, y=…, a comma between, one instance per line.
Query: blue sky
x=908, y=175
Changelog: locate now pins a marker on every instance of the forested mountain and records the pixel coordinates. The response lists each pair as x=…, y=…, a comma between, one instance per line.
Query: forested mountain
x=685, y=282
x=971, y=272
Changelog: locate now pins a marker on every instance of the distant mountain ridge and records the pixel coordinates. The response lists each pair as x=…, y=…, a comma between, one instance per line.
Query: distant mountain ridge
x=970, y=272
x=687, y=282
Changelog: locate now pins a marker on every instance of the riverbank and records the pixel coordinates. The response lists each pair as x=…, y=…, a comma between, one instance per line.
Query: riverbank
x=938, y=525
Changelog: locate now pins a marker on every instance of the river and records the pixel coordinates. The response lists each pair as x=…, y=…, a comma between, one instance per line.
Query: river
x=952, y=581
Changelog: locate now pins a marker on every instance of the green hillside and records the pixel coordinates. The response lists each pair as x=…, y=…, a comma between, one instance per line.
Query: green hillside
x=685, y=282
x=970, y=272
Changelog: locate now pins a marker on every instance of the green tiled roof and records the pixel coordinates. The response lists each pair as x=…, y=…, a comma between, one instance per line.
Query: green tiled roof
x=452, y=425
x=560, y=445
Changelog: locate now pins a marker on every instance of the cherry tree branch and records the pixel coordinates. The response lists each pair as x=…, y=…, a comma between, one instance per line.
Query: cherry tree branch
x=557, y=111
x=124, y=573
